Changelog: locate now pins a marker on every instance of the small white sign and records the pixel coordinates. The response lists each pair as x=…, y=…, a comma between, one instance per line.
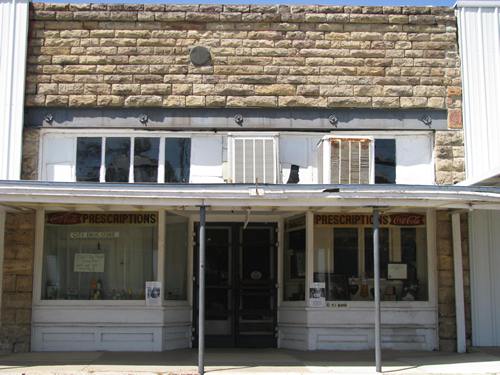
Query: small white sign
x=317, y=294
x=153, y=293
x=86, y=262
x=397, y=271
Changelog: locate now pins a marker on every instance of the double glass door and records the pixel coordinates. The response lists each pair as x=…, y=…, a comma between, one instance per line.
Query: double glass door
x=240, y=285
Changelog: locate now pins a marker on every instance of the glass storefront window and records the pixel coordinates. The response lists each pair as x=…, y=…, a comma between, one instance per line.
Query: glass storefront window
x=100, y=256
x=176, y=252
x=343, y=256
x=294, y=259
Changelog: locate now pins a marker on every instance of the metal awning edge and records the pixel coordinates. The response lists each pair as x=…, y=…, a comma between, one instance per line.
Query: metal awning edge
x=244, y=195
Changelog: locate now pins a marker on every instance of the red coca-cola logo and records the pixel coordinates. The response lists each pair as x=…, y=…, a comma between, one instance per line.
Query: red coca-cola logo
x=407, y=219
x=64, y=218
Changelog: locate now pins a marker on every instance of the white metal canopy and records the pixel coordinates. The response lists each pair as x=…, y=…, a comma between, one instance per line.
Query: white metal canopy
x=33, y=194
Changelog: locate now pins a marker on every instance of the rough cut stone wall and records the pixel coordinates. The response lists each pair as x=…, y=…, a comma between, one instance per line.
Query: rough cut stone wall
x=446, y=291
x=15, y=327
x=262, y=56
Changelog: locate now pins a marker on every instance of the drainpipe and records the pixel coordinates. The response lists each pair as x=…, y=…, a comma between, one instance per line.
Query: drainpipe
x=459, y=282
x=376, y=287
x=201, y=294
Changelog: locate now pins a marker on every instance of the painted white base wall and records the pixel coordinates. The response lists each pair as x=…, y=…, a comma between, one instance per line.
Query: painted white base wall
x=112, y=328
x=405, y=327
x=135, y=327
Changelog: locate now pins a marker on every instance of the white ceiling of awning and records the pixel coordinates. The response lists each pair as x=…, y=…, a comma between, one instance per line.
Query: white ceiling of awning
x=29, y=194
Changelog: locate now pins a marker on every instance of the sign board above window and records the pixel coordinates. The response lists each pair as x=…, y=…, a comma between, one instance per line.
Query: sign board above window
x=402, y=219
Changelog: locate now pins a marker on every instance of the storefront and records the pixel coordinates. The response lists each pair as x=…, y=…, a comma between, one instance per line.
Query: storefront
x=286, y=266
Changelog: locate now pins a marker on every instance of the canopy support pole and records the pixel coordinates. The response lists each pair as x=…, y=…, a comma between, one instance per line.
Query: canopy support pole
x=201, y=294
x=376, y=287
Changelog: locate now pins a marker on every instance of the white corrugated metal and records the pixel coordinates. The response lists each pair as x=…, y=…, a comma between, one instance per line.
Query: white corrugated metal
x=13, y=42
x=479, y=37
x=485, y=278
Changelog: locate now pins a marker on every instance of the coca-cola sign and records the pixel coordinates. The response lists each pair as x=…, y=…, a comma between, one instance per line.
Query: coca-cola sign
x=75, y=218
x=402, y=219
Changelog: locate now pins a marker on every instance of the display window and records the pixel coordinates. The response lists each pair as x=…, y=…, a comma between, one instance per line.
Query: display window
x=343, y=256
x=177, y=232
x=294, y=259
x=99, y=256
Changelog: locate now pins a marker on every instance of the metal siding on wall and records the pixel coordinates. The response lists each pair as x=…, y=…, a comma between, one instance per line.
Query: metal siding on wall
x=13, y=41
x=479, y=38
x=485, y=278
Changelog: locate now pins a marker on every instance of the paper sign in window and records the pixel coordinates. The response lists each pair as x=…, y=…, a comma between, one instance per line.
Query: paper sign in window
x=85, y=262
x=397, y=271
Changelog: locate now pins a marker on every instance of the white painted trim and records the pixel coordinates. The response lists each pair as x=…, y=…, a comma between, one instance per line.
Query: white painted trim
x=38, y=258
x=160, y=269
x=13, y=47
x=190, y=261
x=459, y=282
x=2, y=253
x=280, y=262
x=432, y=266
x=309, y=253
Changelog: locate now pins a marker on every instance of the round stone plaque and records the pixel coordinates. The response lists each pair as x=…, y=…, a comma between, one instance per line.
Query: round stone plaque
x=199, y=56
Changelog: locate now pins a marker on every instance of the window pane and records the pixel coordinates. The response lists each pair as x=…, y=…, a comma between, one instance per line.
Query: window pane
x=176, y=242
x=345, y=251
x=88, y=159
x=414, y=254
x=383, y=248
x=117, y=159
x=177, y=159
x=146, y=159
x=295, y=259
x=385, y=161
x=98, y=255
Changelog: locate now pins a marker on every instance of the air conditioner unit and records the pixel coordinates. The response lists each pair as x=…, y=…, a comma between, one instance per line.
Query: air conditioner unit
x=347, y=160
x=254, y=160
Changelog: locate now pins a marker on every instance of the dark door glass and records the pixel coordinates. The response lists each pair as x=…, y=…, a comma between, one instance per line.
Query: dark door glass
x=117, y=159
x=345, y=251
x=409, y=252
x=88, y=159
x=146, y=152
x=177, y=159
x=385, y=161
x=383, y=248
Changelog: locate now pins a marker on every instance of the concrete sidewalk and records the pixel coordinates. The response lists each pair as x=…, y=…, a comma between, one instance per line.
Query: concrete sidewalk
x=251, y=361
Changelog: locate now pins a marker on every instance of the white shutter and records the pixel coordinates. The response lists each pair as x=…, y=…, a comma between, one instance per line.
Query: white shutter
x=350, y=160
x=58, y=158
x=254, y=160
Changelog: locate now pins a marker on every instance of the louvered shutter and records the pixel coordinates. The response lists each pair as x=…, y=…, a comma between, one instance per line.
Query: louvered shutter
x=254, y=160
x=350, y=160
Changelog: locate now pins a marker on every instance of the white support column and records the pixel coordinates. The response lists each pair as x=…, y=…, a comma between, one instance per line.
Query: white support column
x=309, y=252
x=13, y=44
x=2, y=236
x=459, y=282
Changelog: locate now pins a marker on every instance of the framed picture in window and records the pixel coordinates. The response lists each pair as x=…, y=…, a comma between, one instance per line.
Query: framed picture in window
x=397, y=271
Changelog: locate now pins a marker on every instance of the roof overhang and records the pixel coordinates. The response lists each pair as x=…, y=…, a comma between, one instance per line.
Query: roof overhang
x=490, y=178
x=29, y=194
x=477, y=3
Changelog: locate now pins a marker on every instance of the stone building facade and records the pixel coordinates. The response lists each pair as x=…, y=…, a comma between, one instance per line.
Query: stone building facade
x=84, y=56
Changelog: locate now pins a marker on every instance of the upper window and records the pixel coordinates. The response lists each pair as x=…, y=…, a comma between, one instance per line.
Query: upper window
x=254, y=160
x=133, y=159
x=357, y=160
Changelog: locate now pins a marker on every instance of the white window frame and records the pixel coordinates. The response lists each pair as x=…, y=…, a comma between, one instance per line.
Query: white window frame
x=75, y=134
x=231, y=143
x=327, y=155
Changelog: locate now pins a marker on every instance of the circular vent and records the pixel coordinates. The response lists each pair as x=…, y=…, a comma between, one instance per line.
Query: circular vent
x=199, y=56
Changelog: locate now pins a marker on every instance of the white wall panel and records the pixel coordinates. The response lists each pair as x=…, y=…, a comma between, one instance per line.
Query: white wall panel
x=485, y=278
x=206, y=159
x=414, y=167
x=13, y=42
x=479, y=38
